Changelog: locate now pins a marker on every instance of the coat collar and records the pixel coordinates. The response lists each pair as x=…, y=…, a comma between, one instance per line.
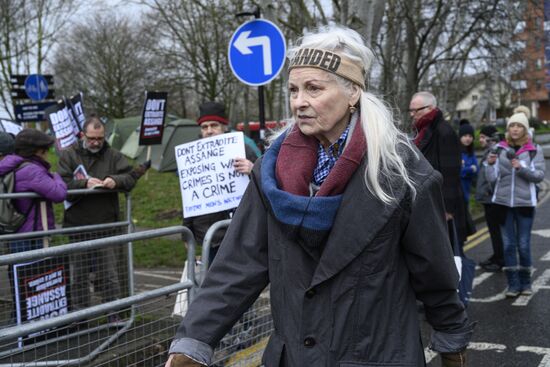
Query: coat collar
x=360, y=217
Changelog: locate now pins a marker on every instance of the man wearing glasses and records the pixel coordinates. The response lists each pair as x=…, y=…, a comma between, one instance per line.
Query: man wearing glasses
x=92, y=163
x=439, y=143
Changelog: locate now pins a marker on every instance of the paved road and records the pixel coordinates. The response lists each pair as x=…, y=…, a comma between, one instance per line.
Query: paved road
x=510, y=332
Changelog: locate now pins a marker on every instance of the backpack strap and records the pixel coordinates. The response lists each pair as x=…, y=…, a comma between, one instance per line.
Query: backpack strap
x=24, y=163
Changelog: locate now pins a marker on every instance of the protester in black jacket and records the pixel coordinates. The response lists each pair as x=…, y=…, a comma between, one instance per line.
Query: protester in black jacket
x=488, y=137
x=439, y=143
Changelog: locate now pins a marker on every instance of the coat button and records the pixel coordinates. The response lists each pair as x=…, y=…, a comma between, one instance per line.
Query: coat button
x=309, y=342
x=310, y=293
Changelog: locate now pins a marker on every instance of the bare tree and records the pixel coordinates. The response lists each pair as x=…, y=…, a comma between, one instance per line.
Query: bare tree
x=110, y=59
x=27, y=34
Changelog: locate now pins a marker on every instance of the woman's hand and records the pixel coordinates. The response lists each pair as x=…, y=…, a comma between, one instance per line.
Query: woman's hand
x=243, y=165
x=515, y=163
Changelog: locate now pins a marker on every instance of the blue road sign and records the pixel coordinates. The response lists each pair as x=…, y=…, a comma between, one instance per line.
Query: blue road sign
x=33, y=112
x=257, y=52
x=36, y=87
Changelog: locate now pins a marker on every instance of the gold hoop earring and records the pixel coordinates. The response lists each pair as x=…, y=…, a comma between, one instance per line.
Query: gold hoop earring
x=352, y=109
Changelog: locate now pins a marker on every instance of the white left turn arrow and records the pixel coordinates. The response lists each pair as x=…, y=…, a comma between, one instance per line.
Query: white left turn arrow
x=243, y=44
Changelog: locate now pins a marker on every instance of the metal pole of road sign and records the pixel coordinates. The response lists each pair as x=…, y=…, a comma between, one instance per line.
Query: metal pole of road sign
x=261, y=108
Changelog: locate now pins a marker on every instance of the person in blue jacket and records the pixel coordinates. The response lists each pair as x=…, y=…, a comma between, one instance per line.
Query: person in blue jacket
x=470, y=166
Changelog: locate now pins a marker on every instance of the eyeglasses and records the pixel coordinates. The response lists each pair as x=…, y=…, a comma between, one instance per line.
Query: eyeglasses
x=415, y=110
x=98, y=139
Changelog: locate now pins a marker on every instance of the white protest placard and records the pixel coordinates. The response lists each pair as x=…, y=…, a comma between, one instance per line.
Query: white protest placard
x=10, y=127
x=208, y=181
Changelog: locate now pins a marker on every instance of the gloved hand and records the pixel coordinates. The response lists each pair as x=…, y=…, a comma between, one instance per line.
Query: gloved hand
x=141, y=169
x=181, y=360
x=457, y=359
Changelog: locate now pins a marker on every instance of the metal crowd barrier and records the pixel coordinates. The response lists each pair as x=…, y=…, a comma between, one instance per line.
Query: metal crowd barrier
x=132, y=329
x=243, y=346
x=85, y=337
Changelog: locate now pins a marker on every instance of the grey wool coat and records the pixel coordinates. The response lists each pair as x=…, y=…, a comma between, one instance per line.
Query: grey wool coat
x=356, y=304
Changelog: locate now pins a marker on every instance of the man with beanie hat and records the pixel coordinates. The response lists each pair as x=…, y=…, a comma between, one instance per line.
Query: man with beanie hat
x=213, y=121
x=7, y=145
x=488, y=138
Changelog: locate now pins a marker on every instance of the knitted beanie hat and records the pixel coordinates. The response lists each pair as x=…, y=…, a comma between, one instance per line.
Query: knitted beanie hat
x=465, y=129
x=212, y=111
x=519, y=118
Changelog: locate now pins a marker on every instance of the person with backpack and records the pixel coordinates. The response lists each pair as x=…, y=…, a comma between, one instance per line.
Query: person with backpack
x=515, y=167
x=32, y=174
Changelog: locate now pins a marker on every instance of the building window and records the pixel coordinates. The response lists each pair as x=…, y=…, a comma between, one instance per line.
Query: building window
x=538, y=85
x=519, y=84
x=520, y=45
x=474, y=98
x=520, y=27
x=539, y=64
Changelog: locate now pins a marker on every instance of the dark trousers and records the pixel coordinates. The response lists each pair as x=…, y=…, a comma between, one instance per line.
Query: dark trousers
x=492, y=218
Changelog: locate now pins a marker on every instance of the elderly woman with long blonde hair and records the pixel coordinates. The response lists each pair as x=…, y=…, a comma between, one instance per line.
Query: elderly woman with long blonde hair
x=345, y=221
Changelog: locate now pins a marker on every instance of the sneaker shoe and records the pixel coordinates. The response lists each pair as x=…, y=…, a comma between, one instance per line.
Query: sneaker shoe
x=491, y=267
x=511, y=293
x=527, y=291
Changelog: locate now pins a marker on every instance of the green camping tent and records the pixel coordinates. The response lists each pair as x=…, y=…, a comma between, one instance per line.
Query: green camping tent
x=122, y=129
x=131, y=147
x=175, y=133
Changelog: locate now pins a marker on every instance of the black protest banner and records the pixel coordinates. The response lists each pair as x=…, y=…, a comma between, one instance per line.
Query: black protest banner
x=77, y=109
x=62, y=124
x=41, y=290
x=152, y=121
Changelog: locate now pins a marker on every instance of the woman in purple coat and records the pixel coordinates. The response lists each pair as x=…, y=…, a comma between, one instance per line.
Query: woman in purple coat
x=32, y=175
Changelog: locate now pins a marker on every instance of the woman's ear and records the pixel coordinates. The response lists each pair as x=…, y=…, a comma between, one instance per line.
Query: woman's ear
x=355, y=96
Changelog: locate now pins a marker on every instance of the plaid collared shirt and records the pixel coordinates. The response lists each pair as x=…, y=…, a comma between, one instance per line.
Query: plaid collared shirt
x=326, y=159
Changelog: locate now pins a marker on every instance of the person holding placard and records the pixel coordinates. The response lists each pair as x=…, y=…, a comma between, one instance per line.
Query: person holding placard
x=344, y=219
x=213, y=121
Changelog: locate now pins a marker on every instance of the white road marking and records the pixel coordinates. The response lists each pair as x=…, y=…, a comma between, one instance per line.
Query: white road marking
x=496, y=297
x=153, y=275
x=487, y=346
x=542, y=232
x=540, y=282
x=481, y=278
x=430, y=354
x=537, y=350
x=546, y=257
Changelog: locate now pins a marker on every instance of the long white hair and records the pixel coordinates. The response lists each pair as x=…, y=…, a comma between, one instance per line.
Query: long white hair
x=377, y=120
